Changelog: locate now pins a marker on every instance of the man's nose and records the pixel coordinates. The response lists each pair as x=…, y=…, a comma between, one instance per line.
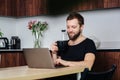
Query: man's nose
x=70, y=29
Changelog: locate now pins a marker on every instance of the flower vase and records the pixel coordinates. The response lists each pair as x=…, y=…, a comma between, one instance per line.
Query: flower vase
x=37, y=41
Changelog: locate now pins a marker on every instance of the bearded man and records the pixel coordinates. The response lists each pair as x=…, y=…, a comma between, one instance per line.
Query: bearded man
x=80, y=50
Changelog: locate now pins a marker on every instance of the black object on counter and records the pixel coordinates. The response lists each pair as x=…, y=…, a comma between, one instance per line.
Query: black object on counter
x=4, y=43
x=15, y=42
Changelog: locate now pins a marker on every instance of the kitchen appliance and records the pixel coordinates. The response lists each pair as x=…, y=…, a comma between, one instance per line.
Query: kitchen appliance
x=15, y=42
x=4, y=43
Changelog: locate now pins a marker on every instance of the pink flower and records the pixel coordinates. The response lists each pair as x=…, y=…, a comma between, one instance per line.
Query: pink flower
x=30, y=24
x=37, y=26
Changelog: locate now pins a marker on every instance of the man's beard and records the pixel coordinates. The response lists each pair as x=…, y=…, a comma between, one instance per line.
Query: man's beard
x=75, y=36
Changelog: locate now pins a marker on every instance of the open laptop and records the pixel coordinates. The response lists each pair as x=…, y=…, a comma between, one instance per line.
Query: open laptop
x=38, y=58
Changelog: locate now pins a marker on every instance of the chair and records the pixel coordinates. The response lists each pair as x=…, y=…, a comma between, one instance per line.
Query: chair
x=105, y=75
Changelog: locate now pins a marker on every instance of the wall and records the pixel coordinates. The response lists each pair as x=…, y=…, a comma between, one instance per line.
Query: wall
x=100, y=25
x=104, y=25
x=7, y=26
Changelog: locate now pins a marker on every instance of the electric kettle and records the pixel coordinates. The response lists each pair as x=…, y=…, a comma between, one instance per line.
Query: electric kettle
x=4, y=43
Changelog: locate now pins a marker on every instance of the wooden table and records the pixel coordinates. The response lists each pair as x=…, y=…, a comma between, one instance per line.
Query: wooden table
x=25, y=73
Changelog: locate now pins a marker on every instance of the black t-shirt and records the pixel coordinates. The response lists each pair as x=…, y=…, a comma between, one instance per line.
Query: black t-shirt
x=75, y=53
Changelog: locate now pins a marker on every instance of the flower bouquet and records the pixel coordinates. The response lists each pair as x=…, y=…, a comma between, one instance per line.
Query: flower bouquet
x=37, y=28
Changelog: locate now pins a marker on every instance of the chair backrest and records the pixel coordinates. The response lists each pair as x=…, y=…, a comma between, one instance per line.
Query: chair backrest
x=105, y=75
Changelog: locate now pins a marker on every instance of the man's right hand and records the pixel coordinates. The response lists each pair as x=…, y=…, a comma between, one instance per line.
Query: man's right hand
x=54, y=50
x=54, y=47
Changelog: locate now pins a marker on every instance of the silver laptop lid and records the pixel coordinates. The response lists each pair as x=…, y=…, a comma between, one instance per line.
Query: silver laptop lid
x=38, y=58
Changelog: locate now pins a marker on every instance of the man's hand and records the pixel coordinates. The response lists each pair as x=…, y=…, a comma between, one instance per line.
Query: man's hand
x=54, y=48
x=60, y=61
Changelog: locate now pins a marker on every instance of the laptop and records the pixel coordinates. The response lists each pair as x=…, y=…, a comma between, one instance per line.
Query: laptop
x=38, y=58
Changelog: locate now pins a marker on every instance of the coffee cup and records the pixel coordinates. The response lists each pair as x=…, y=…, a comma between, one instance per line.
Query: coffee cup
x=62, y=45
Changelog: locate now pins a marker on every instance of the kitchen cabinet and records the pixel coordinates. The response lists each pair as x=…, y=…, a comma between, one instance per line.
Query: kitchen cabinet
x=7, y=7
x=104, y=61
x=96, y=4
x=12, y=59
x=19, y=8
x=57, y=7
x=31, y=7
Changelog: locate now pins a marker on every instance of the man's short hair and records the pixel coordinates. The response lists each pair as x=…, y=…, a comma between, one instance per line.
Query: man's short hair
x=75, y=15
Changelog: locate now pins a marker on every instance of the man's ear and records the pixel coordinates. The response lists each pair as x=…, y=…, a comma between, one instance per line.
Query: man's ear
x=82, y=27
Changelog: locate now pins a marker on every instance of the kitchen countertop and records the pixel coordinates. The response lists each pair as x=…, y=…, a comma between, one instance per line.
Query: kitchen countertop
x=108, y=50
x=25, y=73
x=11, y=50
x=21, y=50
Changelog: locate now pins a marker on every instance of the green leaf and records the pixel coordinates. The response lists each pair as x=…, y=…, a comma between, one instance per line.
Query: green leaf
x=1, y=34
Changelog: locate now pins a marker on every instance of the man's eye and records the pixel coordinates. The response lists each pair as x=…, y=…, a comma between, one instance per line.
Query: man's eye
x=73, y=26
x=68, y=27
